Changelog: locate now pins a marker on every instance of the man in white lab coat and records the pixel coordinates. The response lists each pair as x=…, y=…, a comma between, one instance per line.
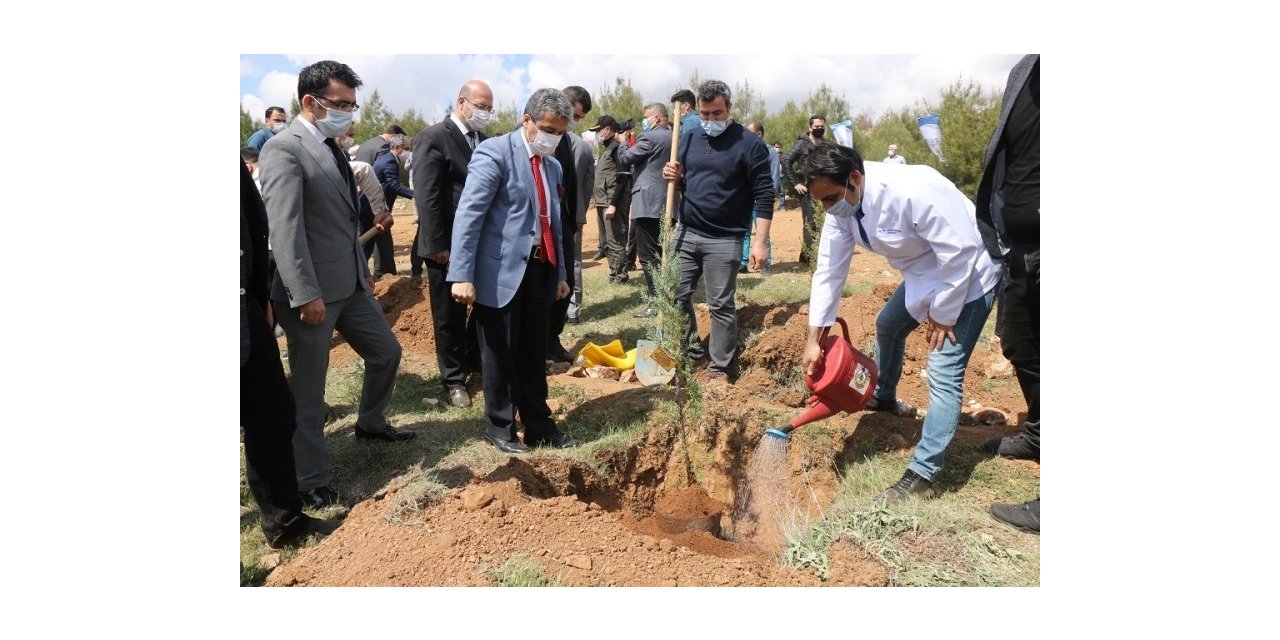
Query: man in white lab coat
x=925, y=227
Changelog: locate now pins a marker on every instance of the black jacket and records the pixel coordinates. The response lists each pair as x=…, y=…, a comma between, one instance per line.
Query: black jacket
x=441, y=154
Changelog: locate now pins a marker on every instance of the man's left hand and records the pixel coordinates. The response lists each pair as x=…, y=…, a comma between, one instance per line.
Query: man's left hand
x=562, y=290
x=759, y=254
x=936, y=334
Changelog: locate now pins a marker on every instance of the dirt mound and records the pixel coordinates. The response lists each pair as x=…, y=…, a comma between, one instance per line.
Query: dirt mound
x=408, y=307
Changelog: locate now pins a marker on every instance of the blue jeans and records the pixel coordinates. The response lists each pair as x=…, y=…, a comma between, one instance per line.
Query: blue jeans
x=946, y=372
x=746, y=247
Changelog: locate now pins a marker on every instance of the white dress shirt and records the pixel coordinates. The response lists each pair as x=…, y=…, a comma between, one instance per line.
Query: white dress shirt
x=925, y=227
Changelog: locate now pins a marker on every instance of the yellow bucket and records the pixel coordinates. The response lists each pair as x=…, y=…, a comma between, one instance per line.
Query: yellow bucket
x=611, y=355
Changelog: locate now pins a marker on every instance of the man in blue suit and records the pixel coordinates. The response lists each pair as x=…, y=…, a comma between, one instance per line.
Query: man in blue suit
x=507, y=258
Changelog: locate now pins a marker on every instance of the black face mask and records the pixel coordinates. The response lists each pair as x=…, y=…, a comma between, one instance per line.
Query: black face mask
x=817, y=133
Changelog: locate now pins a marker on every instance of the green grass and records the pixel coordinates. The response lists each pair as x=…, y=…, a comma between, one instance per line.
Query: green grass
x=947, y=540
x=519, y=571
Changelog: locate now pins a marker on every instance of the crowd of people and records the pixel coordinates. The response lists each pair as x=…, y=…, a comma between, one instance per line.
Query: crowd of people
x=499, y=238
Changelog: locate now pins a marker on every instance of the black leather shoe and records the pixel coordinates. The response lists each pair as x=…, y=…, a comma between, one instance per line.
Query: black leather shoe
x=301, y=529
x=557, y=441
x=1025, y=516
x=390, y=435
x=599, y=255
x=647, y=313
x=319, y=498
x=507, y=446
x=573, y=320
x=911, y=484
x=459, y=397
x=557, y=352
x=1016, y=446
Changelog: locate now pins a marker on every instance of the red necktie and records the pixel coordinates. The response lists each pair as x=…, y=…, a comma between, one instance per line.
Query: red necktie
x=548, y=243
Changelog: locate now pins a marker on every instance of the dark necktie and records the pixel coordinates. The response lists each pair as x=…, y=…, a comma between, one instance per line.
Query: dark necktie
x=548, y=243
x=471, y=139
x=857, y=215
x=344, y=166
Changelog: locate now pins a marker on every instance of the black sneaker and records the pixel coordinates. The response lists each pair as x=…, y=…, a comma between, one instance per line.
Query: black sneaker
x=911, y=484
x=1025, y=516
x=896, y=407
x=1016, y=446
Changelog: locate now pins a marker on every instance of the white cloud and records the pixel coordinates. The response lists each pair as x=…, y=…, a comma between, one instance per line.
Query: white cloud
x=247, y=68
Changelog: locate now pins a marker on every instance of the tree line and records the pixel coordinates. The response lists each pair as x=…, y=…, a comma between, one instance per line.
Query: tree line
x=968, y=116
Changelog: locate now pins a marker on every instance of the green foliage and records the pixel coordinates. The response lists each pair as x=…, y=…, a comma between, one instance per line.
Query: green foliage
x=247, y=126
x=824, y=102
x=411, y=122
x=505, y=120
x=294, y=108
x=620, y=101
x=374, y=118
x=747, y=105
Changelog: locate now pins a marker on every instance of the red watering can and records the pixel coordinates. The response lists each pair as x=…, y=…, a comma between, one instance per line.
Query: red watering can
x=844, y=380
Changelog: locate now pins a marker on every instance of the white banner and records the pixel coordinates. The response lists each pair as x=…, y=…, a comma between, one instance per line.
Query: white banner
x=932, y=133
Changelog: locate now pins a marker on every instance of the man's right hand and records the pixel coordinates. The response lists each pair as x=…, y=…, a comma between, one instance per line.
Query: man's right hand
x=312, y=312
x=464, y=292
x=812, y=356
x=441, y=257
x=610, y=212
x=671, y=171
x=801, y=189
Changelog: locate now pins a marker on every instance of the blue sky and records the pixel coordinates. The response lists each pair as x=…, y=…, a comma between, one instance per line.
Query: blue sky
x=428, y=83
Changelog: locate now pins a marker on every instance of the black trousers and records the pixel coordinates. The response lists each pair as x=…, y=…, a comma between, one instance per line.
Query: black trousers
x=268, y=416
x=513, y=354
x=1020, y=331
x=649, y=248
x=456, y=347
x=808, y=230
x=385, y=260
x=560, y=308
x=416, y=262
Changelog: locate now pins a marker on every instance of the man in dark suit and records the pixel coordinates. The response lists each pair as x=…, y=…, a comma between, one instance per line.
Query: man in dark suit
x=266, y=405
x=384, y=260
x=371, y=149
x=321, y=277
x=441, y=154
x=387, y=170
x=575, y=159
x=1008, y=213
x=648, y=191
x=507, y=257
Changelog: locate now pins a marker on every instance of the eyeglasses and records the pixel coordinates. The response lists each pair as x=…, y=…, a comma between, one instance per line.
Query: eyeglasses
x=340, y=106
x=488, y=109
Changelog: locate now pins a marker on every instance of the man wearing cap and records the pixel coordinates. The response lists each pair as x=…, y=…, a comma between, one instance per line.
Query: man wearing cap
x=612, y=197
x=507, y=257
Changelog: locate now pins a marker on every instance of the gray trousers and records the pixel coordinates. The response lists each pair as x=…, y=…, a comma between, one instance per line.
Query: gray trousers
x=616, y=240
x=717, y=259
x=360, y=321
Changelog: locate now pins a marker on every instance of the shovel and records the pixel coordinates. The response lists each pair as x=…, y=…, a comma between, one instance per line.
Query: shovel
x=654, y=364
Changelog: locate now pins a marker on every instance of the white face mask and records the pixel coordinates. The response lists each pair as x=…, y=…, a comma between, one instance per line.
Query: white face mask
x=714, y=127
x=335, y=123
x=479, y=118
x=842, y=208
x=544, y=144
x=277, y=127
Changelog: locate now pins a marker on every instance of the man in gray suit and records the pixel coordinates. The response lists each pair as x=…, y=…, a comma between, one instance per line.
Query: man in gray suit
x=508, y=258
x=321, y=280
x=648, y=190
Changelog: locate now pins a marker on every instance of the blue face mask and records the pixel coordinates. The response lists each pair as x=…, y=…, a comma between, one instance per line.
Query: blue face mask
x=714, y=127
x=644, y=125
x=842, y=208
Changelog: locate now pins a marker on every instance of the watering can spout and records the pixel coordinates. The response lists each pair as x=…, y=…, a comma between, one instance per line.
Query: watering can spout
x=819, y=409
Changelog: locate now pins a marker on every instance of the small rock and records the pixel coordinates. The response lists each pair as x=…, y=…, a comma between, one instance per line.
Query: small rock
x=667, y=545
x=580, y=562
x=557, y=368
x=577, y=372
x=431, y=402
x=974, y=403
x=476, y=498
x=998, y=368
x=603, y=372
x=269, y=561
x=991, y=417
x=554, y=404
x=629, y=376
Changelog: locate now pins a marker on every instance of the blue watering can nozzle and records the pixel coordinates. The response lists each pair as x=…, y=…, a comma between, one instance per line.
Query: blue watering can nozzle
x=779, y=433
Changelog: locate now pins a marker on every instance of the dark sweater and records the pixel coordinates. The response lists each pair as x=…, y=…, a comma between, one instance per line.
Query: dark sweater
x=725, y=178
